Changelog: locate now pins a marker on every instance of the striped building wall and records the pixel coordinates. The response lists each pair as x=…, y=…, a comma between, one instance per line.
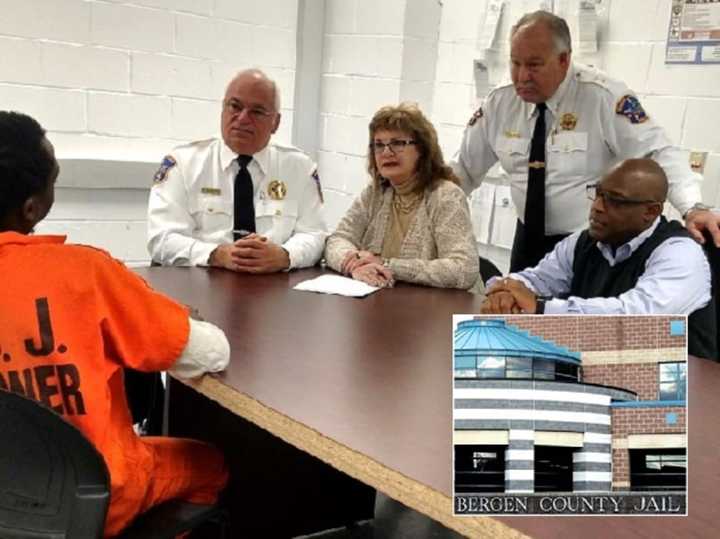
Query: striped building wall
x=592, y=465
x=525, y=407
x=620, y=352
x=519, y=460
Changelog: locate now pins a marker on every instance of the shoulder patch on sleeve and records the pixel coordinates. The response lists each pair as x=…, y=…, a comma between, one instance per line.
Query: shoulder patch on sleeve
x=630, y=107
x=160, y=176
x=316, y=178
x=475, y=117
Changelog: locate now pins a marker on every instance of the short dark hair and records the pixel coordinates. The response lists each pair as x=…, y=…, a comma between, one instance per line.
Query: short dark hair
x=25, y=163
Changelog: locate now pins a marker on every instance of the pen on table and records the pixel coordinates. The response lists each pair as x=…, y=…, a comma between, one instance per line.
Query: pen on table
x=387, y=284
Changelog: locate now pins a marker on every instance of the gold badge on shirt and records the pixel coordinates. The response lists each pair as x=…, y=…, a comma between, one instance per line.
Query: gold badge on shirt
x=277, y=190
x=568, y=121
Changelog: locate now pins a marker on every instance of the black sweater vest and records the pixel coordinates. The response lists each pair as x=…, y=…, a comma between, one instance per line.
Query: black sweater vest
x=593, y=277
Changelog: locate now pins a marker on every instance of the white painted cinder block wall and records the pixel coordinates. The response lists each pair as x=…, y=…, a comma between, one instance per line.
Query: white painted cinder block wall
x=357, y=81
x=685, y=99
x=375, y=53
x=127, y=80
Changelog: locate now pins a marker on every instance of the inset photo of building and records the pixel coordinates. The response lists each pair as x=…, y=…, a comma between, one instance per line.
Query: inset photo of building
x=575, y=407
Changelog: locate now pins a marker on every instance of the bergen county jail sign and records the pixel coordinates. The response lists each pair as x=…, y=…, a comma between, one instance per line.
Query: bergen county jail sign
x=572, y=504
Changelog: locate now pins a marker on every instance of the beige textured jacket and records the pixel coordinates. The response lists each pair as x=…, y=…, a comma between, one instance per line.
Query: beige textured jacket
x=439, y=248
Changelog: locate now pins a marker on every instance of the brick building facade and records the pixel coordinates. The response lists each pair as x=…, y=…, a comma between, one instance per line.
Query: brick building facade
x=641, y=355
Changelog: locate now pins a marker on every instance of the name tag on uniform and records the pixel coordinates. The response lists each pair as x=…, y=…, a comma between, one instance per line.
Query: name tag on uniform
x=211, y=191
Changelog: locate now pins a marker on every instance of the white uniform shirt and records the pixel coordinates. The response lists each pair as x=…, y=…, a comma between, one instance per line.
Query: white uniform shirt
x=586, y=135
x=190, y=211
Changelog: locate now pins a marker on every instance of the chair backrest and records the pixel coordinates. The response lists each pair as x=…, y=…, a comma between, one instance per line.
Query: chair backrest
x=488, y=269
x=53, y=483
x=713, y=255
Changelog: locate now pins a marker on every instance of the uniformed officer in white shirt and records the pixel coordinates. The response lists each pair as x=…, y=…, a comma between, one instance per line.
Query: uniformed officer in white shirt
x=190, y=212
x=592, y=122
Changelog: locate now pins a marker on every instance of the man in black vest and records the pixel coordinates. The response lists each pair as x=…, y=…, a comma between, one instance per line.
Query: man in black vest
x=630, y=260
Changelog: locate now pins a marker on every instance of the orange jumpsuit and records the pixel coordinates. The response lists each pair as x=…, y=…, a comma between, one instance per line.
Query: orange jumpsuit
x=71, y=317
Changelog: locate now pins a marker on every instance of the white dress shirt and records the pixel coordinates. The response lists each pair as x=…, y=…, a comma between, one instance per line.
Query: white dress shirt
x=586, y=135
x=676, y=279
x=190, y=211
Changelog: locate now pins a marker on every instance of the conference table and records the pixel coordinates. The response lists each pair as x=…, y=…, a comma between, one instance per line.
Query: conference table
x=362, y=388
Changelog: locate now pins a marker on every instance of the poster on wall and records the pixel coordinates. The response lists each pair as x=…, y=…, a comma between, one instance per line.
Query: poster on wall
x=694, y=32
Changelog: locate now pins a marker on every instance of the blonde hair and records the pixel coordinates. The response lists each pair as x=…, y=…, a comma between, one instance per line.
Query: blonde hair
x=408, y=118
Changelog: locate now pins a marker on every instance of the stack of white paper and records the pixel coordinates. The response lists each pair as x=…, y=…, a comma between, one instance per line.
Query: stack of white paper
x=336, y=284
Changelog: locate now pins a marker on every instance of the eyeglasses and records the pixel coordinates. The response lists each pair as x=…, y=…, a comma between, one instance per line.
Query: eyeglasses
x=236, y=108
x=395, y=145
x=593, y=191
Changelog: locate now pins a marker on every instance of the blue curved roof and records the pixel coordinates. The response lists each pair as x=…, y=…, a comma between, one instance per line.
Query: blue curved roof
x=494, y=337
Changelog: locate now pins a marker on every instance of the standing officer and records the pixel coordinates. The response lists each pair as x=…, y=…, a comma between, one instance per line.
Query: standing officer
x=240, y=203
x=559, y=127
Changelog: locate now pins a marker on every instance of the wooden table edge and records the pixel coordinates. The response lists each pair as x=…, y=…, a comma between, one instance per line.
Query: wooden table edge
x=412, y=493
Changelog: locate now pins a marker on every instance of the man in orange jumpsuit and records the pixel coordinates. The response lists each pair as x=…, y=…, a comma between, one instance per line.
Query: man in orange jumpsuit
x=72, y=317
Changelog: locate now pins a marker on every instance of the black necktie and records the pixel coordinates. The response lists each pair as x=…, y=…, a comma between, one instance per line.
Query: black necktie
x=535, y=201
x=244, y=210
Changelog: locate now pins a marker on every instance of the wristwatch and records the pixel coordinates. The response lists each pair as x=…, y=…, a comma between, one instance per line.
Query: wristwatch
x=540, y=302
x=699, y=206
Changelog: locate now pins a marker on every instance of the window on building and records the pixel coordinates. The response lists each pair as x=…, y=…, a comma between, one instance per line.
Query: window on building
x=465, y=366
x=479, y=468
x=658, y=469
x=673, y=381
x=677, y=328
x=566, y=372
x=513, y=367
x=519, y=367
x=491, y=367
x=553, y=469
x=543, y=369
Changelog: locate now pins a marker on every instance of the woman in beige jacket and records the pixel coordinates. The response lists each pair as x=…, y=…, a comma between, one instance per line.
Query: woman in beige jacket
x=412, y=222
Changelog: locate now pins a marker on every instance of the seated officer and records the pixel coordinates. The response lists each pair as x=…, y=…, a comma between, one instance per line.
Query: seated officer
x=630, y=260
x=240, y=203
x=72, y=318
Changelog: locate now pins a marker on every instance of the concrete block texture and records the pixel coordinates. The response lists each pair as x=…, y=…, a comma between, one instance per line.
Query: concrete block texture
x=131, y=27
x=279, y=13
x=159, y=74
x=61, y=20
x=132, y=78
x=200, y=7
x=55, y=109
x=128, y=115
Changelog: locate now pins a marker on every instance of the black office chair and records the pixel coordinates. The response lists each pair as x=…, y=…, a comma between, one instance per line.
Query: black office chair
x=54, y=484
x=713, y=255
x=488, y=269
